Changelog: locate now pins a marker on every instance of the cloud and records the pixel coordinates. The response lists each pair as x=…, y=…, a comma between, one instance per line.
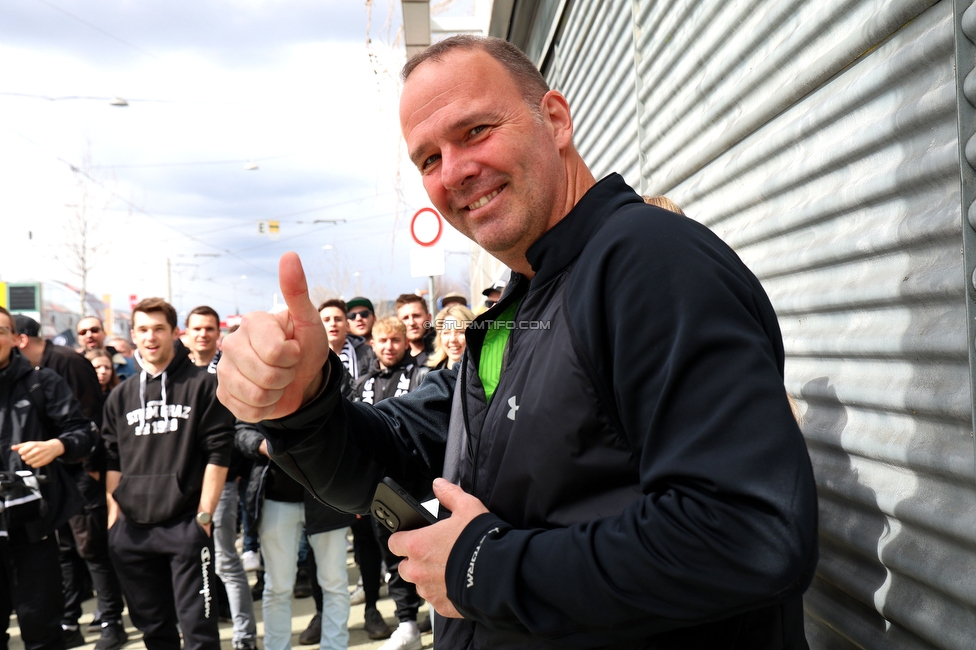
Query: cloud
x=238, y=33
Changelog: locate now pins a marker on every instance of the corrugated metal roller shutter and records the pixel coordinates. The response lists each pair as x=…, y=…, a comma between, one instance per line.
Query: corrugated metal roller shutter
x=820, y=140
x=593, y=67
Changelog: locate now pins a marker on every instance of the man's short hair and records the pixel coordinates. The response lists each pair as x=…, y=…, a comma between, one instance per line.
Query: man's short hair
x=13, y=324
x=389, y=325
x=100, y=323
x=27, y=325
x=202, y=310
x=150, y=305
x=531, y=84
x=408, y=298
x=334, y=302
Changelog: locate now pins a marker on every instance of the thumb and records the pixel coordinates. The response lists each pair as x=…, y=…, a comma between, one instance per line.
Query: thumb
x=449, y=495
x=294, y=289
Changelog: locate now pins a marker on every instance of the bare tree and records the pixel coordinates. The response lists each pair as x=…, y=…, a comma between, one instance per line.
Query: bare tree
x=83, y=241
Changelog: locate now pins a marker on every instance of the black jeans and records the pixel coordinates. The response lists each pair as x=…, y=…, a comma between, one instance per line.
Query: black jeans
x=30, y=583
x=366, y=551
x=103, y=579
x=403, y=593
x=98, y=565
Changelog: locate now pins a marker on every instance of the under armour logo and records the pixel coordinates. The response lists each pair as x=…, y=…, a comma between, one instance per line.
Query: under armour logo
x=515, y=408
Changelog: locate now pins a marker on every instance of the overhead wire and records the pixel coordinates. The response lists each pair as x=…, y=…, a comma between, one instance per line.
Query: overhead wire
x=98, y=29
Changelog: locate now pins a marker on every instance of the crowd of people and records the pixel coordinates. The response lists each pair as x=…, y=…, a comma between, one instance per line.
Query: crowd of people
x=152, y=520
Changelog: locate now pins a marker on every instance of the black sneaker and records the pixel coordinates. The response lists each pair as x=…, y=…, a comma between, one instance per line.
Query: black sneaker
x=312, y=633
x=376, y=627
x=72, y=638
x=113, y=636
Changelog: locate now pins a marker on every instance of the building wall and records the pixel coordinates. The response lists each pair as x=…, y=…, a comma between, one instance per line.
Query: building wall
x=820, y=140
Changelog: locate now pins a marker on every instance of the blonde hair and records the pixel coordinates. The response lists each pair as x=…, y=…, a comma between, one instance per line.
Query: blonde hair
x=663, y=202
x=462, y=315
x=390, y=325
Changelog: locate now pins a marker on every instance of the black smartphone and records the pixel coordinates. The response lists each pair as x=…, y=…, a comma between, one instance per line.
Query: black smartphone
x=397, y=510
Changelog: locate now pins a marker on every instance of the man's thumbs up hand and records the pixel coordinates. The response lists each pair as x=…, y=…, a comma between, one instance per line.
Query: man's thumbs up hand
x=274, y=362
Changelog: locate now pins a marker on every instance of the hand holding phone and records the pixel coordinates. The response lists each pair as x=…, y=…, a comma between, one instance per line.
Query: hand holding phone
x=395, y=509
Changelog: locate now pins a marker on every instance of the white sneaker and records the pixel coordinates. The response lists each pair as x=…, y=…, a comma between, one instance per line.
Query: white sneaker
x=251, y=560
x=405, y=637
x=357, y=597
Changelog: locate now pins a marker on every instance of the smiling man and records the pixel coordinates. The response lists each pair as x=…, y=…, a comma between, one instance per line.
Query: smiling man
x=598, y=498
x=412, y=310
x=203, y=332
x=168, y=444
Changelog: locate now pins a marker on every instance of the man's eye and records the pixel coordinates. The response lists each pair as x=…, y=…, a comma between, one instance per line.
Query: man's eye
x=478, y=129
x=429, y=161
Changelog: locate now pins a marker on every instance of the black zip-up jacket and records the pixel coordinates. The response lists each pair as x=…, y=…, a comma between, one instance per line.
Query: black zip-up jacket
x=20, y=422
x=78, y=371
x=382, y=383
x=161, y=432
x=646, y=482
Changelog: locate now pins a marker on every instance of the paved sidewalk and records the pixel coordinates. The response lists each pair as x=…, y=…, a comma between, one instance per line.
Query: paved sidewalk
x=302, y=611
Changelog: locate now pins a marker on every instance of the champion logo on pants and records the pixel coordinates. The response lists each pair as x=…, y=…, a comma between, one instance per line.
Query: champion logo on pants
x=205, y=592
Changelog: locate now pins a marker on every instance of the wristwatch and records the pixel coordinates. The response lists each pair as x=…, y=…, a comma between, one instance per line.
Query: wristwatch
x=204, y=518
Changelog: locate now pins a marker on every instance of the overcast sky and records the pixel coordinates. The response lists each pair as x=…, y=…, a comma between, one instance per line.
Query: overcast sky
x=211, y=84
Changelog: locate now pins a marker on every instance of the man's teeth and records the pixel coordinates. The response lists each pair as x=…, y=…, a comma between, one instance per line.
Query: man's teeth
x=483, y=201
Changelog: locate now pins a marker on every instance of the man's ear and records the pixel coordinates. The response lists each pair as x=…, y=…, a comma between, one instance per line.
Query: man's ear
x=22, y=341
x=555, y=112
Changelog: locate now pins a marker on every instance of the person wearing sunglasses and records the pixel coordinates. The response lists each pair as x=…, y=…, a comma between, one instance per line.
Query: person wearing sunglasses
x=91, y=334
x=360, y=316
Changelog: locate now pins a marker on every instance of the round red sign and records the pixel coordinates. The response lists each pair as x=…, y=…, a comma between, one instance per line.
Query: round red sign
x=426, y=226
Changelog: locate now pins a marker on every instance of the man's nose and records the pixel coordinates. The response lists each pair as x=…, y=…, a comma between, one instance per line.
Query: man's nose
x=456, y=168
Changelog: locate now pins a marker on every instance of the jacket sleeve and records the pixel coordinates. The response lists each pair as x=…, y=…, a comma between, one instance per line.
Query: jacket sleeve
x=110, y=433
x=247, y=439
x=685, y=351
x=75, y=431
x=340, y=450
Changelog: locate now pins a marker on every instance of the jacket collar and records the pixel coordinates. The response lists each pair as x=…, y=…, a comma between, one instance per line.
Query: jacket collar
x=563, y=243
x=18, y=367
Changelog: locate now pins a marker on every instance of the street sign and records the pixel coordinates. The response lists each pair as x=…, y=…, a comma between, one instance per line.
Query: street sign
x=426, y=227
x=427, y=261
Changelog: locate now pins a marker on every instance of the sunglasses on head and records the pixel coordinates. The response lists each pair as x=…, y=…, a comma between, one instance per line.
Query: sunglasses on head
x=356, y=315
x=94, y=330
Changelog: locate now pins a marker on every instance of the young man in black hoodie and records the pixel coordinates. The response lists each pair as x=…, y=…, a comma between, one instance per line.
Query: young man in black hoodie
x=168, y=443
